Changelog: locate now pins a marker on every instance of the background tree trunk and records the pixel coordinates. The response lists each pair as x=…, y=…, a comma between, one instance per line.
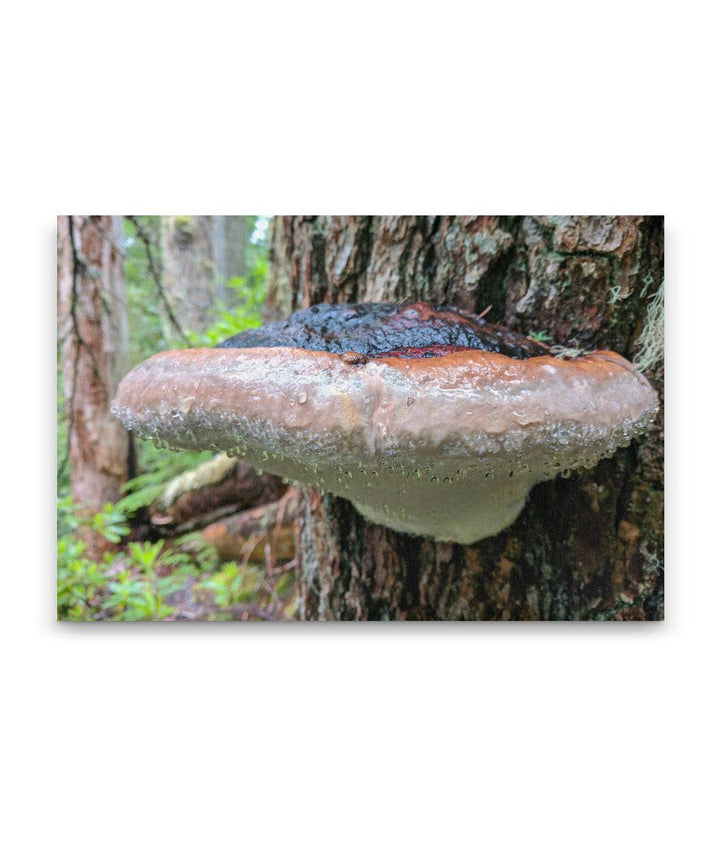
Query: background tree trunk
x=230, y=237
x=92, y=318
x=200, y=254
x=586, y=547
x=189, y=276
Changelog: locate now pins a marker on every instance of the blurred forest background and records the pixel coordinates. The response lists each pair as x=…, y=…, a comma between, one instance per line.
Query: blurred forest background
x=146, y=533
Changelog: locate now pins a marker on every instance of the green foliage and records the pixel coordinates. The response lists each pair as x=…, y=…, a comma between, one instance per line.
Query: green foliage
x=147, y=329
x=129, y=586
x=152, y=581
x=157, y=467
x=539, y=335
x=146, y=554
x=110, y=522
x=80, y=583
x=135, y=599
x=234, y=584
x=251, y=292
x=139, y=596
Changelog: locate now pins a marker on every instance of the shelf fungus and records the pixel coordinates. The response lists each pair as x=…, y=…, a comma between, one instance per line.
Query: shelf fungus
x=429, y=420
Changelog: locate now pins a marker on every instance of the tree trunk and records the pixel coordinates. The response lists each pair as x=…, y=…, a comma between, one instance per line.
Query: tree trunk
x=200, y=254
x=585, y=547
x=189, y=276
x=92, y=318
x=229, y=243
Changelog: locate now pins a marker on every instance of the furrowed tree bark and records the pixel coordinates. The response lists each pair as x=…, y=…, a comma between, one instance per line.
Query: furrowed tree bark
x=586, y=547
x=92, y=319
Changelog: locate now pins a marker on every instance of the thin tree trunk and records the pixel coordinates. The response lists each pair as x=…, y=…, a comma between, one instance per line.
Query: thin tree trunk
x=586, y=547
x=189, y=274
x=92, y=317
x=229, y=243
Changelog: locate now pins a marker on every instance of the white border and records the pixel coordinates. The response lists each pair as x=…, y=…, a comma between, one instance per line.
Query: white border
x=360, y=739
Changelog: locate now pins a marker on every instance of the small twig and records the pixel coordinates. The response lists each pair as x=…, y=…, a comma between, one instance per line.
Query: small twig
x=246, y=610
x=268, y=562
x=252, y=541
x=280, y=518
x=156, y=276
x=279, y=570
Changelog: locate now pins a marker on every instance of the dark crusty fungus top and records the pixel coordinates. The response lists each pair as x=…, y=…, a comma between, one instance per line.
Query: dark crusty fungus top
x=429, y=420
x=387, y=329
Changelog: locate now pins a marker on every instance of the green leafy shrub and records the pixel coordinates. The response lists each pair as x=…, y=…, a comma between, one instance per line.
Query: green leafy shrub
x=250, y=293
x=125, y=586
x=539, y=335
x=81, y=584
x=158, y=467
x=233, y=584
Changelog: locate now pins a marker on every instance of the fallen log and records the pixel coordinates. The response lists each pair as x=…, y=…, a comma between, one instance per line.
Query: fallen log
x=248, y=535
x=215, y=489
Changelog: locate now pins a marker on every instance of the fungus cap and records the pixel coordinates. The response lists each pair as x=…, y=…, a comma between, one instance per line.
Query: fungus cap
x=447, y=445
